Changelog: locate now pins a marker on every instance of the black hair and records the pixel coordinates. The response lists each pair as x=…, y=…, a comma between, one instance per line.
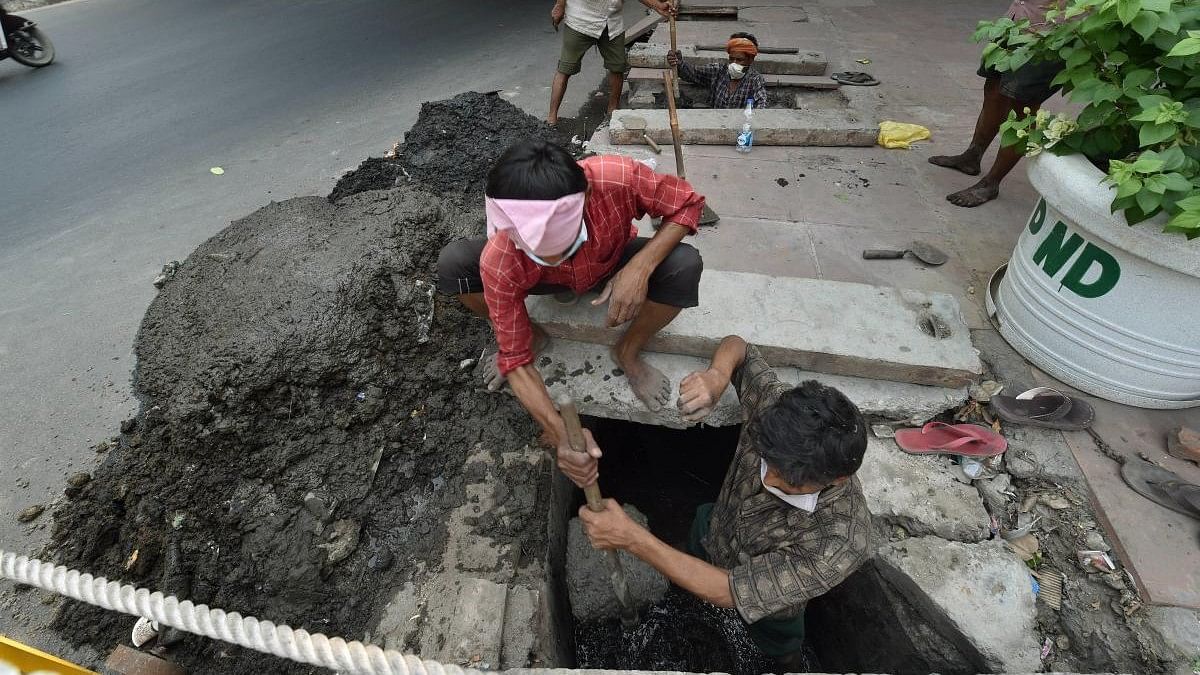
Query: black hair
x=748, y=36
x=812, y=435
x=535, y=169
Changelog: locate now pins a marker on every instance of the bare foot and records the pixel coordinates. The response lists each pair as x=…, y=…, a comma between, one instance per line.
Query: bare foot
x=980, y=193
x=968, y=162
x=491, y=372
x=648, y=383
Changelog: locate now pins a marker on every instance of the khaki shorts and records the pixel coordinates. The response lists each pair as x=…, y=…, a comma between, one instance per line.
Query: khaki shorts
x=576, y=44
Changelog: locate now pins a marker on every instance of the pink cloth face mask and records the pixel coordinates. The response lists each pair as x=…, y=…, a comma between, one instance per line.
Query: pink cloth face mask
x=539, y=227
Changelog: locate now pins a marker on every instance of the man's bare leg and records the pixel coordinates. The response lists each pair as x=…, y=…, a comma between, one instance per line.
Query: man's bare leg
x=491, y=372
x=648, y=383
x=991, y=116
x=557, y=89
x=988, y=187
x=616, y=82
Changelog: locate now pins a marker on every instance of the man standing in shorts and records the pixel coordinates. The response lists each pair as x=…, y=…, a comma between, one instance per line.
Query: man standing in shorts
x=1027, y=87
x=593, y=23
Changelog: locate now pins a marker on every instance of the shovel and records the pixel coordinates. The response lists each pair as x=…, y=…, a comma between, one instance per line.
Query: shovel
x=616, y=573
x=920, y=250
x=635, y=123
x=708, y=216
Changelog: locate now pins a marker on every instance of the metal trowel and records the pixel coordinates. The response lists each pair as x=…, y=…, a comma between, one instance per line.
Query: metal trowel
x=635, y=123
x=920, y=250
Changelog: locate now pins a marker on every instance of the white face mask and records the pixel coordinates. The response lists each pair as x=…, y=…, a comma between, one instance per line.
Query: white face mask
x=736, y=71
x=802, y=502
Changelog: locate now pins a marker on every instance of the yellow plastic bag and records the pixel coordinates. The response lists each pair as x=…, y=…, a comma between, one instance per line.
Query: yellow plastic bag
x=894, y=135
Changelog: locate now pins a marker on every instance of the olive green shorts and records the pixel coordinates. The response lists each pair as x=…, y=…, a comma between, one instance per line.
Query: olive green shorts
x=576, y=44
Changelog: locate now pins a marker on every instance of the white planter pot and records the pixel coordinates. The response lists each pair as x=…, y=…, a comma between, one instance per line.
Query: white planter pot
x=1107, y=308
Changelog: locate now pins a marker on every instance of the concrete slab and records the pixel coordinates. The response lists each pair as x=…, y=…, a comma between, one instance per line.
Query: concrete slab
x=642, y=27
x=587, y=374
x=1157, y=545
x=522, y=627
x=475, y=635
x=762, y=246
x=978, y=595
x=826, y=326
x=772, y=126
x=1039, y=453
x=920, y=494
x=654, y=55
x=588, y=584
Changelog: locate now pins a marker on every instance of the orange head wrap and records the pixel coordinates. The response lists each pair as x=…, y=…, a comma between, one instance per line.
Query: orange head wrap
x=741, y=45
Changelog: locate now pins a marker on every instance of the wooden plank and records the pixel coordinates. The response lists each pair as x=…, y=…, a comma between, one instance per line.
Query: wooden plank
x=644, y=25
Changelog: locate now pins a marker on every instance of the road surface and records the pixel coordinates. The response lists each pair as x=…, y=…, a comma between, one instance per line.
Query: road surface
x=104, y=177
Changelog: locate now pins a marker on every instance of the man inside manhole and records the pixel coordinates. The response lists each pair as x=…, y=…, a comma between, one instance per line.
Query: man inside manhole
x=557, y=226
x=731, y=84
x=790, y=522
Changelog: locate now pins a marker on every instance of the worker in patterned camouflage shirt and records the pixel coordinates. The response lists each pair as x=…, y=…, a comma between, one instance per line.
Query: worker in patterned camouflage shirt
x=790, y=522
x=729, y=84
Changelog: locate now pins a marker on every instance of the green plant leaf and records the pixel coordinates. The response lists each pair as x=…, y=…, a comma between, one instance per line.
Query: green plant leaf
x=1155, y=183
x=1150, y=134
x=1189, y=204
x=1193, y=119
x=1156, y=5
x=1185, y=47
x=1173, y=158
x=1127, y=10
x=1176, y=182
x=1020, y=57
x=1152, y=102
x=1145, y=24
x=1145, y=116
x=1108, y=39
x=1148, y=201
x=1129, y=187
x=1149, y=162
x=1106, y=92
x=1169, y=22
x=1186, y=223
x=1137, y=78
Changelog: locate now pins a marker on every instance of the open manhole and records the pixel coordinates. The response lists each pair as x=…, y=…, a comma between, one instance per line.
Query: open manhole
x=863, y=625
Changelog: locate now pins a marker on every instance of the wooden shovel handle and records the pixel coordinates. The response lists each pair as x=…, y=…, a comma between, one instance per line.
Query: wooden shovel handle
x=669, y=85
x=570, y=415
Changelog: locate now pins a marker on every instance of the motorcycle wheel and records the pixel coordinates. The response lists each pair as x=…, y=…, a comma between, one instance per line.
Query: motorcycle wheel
x=31, y=47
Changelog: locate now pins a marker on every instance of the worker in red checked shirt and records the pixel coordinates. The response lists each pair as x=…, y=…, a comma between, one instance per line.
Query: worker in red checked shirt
x=555, y=225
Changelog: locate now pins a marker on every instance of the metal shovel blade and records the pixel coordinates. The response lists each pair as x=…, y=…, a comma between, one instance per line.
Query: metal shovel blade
x=922, y=251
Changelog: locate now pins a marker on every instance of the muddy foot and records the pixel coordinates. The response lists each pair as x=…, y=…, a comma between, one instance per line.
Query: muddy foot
x=490, y=372
x=648, y=383
x=967, y=162
x=979, y=193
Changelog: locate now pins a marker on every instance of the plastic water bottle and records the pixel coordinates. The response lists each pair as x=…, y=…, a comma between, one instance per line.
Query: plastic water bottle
x=745, y=139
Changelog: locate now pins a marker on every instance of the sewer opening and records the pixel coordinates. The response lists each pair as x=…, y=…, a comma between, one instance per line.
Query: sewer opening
x=791, y=98
x=863, y=625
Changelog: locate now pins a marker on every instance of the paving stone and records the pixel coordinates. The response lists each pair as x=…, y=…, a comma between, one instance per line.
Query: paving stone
x=1039, y=453
x=522, y=625
x=772, y=126
x=824, y=326
x=475, y=634
x=978, y=595
x=919, y=494
x=654, y=55
x=584, y=372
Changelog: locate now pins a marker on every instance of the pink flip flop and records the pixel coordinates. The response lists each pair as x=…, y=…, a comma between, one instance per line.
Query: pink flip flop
x=971, y=440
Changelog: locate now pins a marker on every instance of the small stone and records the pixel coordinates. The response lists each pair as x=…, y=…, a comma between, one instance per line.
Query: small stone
x=343, y=539
x=1095, y=542
x=316, y=506
x=883, y=431
x=783, y=182
x=1114, y=581
x=984, y=391
x=1020, y=467
x=1056, y=502
x=381, y=559
x=1063, y=643
x=30, y=514
x=78, y=480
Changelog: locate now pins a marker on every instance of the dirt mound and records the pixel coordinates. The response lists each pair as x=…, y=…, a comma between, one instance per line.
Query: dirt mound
x=452, y=146
x=288, y=356
x=375, y=173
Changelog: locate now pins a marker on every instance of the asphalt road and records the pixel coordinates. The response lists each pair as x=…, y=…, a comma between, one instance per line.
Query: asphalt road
x=104, y=177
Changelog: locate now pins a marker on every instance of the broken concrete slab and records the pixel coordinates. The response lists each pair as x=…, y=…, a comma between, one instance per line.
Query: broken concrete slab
x=654, y=55
x=919, y=494
x=772, y=126
x=977, y=595
x=587, y=373
x=1040, y=453
x=643, y=26
x=588, y=584
x=522, y=627
x=476, y=631
x=825, y=326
